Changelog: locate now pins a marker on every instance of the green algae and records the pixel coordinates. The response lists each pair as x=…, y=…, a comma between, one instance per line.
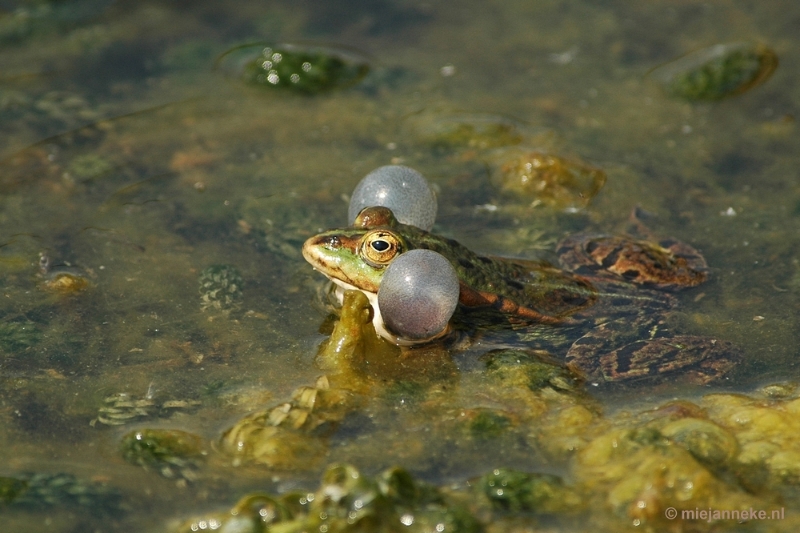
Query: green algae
x=170, y=452
x=43, y=490
x=220, y=287
x=349, y=501
x=717, y=72
x=17, y=336
x=294, y=68
x=512, y=491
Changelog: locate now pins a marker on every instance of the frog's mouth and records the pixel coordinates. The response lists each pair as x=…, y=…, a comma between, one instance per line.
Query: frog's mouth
x=323, y=253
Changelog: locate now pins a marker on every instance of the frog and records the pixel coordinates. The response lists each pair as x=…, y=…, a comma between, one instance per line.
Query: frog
x=556, y=306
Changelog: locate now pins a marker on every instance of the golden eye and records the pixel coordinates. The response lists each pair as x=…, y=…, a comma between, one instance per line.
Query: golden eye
x=380, y=247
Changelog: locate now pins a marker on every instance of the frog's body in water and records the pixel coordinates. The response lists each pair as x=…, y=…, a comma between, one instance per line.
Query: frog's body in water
x=526, y=291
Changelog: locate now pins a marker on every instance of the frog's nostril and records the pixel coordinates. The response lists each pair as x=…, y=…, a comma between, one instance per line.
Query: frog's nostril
x=332, y=241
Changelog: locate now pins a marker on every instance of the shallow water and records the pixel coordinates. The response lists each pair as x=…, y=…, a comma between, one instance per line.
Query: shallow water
x=129, y=161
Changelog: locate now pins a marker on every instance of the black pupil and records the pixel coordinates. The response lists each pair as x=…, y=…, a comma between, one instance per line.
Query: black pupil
x=380, y=246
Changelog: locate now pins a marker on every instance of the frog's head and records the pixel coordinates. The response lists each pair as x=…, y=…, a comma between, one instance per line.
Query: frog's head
x=356, y=257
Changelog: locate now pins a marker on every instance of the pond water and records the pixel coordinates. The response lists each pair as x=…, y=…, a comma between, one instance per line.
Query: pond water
x=133, y=159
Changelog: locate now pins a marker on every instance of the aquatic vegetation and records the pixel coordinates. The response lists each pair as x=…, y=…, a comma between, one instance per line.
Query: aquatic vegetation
x=487, y=424
x=284, y=436
x=280, y=225
x=512, y=491
x=717, y=72
x=42, y=17
x=348, y=501
x=475, y=131
x=402, y=189
x=88, y=167
x=547, y=179
x=16, y=336
x=65, y=281
x=295, y=68
x=707, y=442
x=123, y=408
x=418, y=293
x=530, y=369
x=170, y=452
x=220, y=288
x=45, y=490
x=354, y=340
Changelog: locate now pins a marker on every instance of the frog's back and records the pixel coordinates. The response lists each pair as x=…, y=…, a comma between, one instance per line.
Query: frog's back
x=532, y=290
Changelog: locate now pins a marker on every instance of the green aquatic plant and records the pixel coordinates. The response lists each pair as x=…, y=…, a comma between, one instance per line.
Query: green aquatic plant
x=710, y=444
x=295, y=68
x=533, y=369
x=717, y=72
x=170, y=452
x=123, y=408
x=220, y=287
x=510, y=490
x=16, y=336
x=489, y=424
x=348, y=501
x=60, y=489
x=88, y=167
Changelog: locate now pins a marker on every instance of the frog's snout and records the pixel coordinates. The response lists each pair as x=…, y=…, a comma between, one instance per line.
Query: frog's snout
x=331, y=242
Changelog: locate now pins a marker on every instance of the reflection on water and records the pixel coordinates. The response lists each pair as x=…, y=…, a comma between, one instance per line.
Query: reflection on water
x=169, y=203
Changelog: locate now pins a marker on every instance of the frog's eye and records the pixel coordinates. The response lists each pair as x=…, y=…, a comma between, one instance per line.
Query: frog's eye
x=380, y=247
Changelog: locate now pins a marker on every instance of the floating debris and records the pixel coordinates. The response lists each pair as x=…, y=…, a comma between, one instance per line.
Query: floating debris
x=220, y=288
x=717, y=72
x=296, y=68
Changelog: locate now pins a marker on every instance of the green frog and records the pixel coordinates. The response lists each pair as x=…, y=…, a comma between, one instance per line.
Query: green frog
x=556, y=305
